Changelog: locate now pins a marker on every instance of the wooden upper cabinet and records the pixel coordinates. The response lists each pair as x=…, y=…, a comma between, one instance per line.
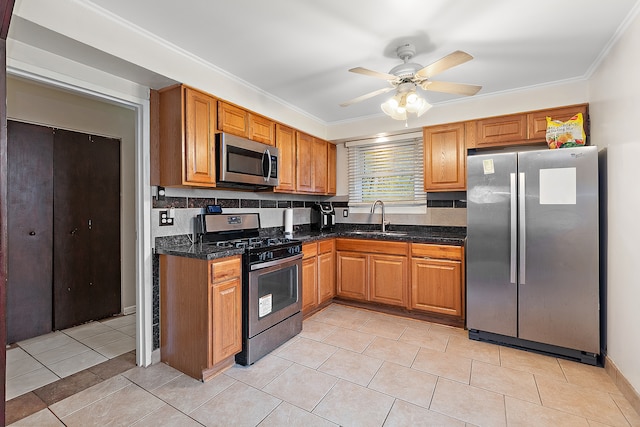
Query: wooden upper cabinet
x=238, y=121
x=501, y=130
x=261, y=129
x=445, y=157
x=331, y=169
x=537, y=120
x=233, y=120
x=304, y=165
x=286, y=144
x=187, y=127
x=200, y=139
x=319, y=173
x=525, y=128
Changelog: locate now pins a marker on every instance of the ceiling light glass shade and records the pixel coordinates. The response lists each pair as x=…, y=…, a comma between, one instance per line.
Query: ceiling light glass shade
x=402, y=103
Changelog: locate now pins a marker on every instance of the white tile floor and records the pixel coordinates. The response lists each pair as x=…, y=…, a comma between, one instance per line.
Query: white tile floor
x=354, y=367
x=42, y=360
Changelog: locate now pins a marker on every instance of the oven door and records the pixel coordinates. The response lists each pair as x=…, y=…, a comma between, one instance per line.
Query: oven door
x=274, y=293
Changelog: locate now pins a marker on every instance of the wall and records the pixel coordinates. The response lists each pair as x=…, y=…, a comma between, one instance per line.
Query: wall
x=35, y=103
x=614, y=110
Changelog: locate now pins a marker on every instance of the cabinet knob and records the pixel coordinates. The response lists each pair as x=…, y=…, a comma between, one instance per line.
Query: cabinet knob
x=32, y=233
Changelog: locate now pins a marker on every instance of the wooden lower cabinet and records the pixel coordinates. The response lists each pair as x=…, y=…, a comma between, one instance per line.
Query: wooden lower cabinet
x=388, y=279
x=352, y=275
x=376, y=273
x=437, y=279
x=226, y=337
x=200, y=314
x=309, y=277
x=326, y=270
x=318, y=274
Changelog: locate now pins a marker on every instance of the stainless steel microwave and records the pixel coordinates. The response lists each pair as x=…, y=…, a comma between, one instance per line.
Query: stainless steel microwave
x=246, y=163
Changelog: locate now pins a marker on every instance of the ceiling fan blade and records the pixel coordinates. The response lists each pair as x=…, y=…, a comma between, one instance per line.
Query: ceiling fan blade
x=372, y=73
x=456, y=58
x=366, y=96
x=457, y=88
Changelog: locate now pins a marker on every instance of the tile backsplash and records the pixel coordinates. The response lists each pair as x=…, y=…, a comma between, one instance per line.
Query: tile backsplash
x=185, y=204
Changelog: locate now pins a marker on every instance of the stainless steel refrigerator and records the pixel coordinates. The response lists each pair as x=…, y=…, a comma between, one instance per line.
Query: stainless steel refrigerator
x=533, y=251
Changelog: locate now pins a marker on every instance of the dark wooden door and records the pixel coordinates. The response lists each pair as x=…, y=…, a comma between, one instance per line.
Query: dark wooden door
x=86, y=254
x=30, y=230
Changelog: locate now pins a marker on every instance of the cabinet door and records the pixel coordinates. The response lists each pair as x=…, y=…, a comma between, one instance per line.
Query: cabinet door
x=537, y=120
x=331, y=169
x=261, y=129
x=326, y=277
x=226, y=330
x=503, y=130
x=200, y=138
x=304, y=173
x=444, y=157
x=286, y=143
x=436, y=286
x=309, y=284
x=232, y=119
x=352, y=275
x=388, y=279
x=319, y=173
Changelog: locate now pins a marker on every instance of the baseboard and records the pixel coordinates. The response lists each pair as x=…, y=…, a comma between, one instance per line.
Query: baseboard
x=625, y=387
x=129, y=310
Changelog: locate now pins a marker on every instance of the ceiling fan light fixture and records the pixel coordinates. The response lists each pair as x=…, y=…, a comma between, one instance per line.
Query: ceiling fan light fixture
x=402, y=103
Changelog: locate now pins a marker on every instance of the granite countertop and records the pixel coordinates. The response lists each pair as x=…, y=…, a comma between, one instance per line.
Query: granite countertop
x=414, y=234
x=181, y=246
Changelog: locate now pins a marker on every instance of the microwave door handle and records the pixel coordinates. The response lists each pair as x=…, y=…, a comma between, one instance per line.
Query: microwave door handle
x=266, y=154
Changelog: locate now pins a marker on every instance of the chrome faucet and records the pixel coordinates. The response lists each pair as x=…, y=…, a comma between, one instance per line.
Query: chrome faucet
x=373, y=208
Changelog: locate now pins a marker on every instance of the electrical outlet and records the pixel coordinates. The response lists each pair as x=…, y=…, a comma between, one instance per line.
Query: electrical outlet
x=161, y=193
x=345, y=213
x=165, y=219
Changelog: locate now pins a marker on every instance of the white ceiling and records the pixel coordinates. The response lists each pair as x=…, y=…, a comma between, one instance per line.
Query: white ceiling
x=299, y=51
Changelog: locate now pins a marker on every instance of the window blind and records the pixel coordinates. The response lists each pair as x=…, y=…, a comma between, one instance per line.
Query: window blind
x=391, y=172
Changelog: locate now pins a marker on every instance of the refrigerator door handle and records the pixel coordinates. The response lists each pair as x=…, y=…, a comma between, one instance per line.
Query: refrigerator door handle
x=514, y=230
x=523, y=228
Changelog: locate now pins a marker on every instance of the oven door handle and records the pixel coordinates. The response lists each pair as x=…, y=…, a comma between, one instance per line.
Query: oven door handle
x=267, y=264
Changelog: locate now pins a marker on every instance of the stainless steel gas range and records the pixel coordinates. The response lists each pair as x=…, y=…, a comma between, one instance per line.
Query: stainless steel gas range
x=271, y=281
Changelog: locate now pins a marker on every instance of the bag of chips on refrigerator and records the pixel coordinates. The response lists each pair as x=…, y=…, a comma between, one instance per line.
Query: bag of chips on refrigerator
x=566, y=134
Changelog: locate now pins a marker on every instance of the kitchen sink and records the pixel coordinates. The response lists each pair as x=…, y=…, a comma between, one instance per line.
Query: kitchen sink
x=378, y=233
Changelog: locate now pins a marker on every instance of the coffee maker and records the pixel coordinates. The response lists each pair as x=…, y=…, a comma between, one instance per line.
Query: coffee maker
x=323, y=217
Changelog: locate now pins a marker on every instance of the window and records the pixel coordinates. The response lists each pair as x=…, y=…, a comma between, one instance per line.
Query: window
x=391, y=172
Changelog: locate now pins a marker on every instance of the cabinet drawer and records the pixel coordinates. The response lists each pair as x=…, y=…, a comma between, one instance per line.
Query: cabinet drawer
x=225, y=269
x=436, y=251
x=309, y=250
x=325, y=246
x=372, y=246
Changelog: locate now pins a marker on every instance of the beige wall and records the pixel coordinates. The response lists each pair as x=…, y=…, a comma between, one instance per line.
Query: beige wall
x=614, y=111
x=34, y=103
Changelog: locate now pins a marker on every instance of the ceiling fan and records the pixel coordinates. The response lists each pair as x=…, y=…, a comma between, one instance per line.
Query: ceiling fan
x=407, y=77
